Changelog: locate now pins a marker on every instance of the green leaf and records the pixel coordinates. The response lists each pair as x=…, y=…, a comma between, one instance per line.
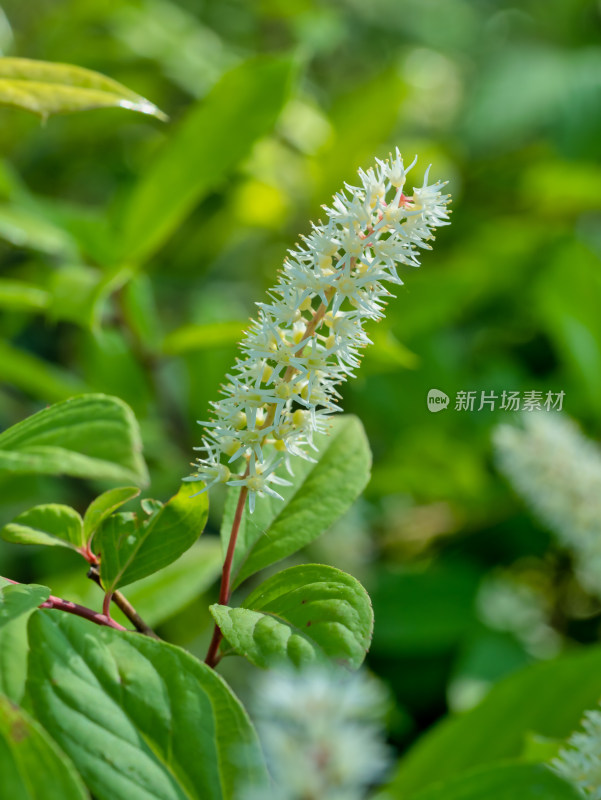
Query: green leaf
x=31, y=765
x=320, y=493
x=78, y=293
x=14, y=648
x=441, y=599
x=17, y=599
x=49, y=88
x=50, y=525
x=19, y=296
x=168, y=725
x=163, y=594
x=103, y=506
x=132, y=548
x=36, y=376
x=506, y=782
x=192, y=338
x=306, y=614
x=26, y=227
x=216, y=134
x=548, y=699
x=91, y=436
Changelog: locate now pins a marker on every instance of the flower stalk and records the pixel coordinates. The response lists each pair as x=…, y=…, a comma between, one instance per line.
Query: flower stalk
x=307, y=339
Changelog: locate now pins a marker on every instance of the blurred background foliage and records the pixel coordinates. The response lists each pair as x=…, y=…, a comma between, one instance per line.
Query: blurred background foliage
x=504, y=99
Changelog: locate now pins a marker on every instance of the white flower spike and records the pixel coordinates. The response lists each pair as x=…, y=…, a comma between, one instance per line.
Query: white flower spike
x=307, y=339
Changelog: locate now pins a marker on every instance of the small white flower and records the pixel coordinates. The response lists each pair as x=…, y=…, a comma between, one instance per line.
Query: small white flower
x=322, y=734
x=307, y=339
x=580, y=761
x=557, y=471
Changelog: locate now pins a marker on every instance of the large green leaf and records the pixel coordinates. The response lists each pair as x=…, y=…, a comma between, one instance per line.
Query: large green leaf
x=217, y=133
x=548, y=699
x=141, y=720
x=132, y=548
x=49, y=88
x=51, y=524
x=302, y=615
x=506, y=782
x=91, y=436
x=31, y=765
x=17, y=599
x=321, y=492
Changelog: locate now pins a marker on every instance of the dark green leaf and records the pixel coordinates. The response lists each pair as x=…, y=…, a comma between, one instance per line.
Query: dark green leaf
x=91, y=436
x=50, y=524
x=320, y=493
x=31, y=765
x=506, y=782
x=302, y=615
x=548, y=699
x=18, y=599
x=49, y=88
x=169, y=725
x=132, y=548
x=217, y=133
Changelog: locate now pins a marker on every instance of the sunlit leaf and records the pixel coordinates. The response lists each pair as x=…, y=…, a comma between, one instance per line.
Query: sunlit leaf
x=173, y=729
x=50, y=524
x=49, y=88
x=303, y=615
x=132, y=548
x=91, y=436
x=215, y=135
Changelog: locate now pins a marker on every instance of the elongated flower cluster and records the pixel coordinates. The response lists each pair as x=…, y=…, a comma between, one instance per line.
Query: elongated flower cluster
x=557, y=471
x=308, y=337
x=321, y=733
x=580, y=761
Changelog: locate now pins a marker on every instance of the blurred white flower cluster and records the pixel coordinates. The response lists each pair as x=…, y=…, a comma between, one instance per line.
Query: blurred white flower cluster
x=308, y=337
x=580, y=761
x=557, y=471
x=322, y=734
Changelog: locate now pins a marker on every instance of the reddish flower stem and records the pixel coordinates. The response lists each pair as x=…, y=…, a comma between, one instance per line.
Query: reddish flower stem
x=225, y=591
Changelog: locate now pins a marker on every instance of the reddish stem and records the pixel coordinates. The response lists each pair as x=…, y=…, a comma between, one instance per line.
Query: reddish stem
x=225, y=591
x=81, y=611
x=74, y=608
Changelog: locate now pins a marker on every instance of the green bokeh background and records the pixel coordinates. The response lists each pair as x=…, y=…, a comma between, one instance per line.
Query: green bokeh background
x=504, y=100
